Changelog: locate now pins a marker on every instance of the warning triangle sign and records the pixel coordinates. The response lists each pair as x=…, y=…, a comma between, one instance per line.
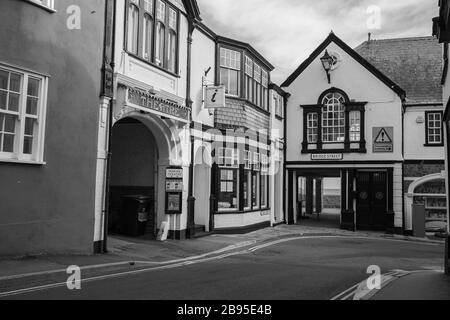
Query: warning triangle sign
x=383, y=137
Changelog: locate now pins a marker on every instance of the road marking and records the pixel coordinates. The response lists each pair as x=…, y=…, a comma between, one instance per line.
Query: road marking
x=194, y=260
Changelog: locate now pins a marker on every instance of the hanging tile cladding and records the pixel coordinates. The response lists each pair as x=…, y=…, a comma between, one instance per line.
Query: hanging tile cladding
x=239, y=115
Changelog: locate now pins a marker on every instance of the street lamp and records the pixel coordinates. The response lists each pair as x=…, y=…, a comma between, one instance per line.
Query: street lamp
x=327, y=63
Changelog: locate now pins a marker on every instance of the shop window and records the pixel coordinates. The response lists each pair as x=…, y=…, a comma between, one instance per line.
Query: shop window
x=230, y=71
x=264, y=190
x=247, y=189
x=229, y=193
x=256, y=176
x=247, y=160
x=22, y=113
x=434, y=129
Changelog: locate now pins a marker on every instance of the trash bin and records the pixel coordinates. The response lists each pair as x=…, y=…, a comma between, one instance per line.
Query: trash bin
x=134, y=215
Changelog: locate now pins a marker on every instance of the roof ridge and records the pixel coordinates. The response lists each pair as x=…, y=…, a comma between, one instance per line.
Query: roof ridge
x=402, y=39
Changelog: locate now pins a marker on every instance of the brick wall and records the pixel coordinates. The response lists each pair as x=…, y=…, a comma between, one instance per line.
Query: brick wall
x=421, y=170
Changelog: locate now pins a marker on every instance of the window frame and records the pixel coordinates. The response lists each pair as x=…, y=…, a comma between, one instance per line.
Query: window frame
x=140, y=46
x=18, y=155
x=428, y=143
x=49, y=5
x=229, y=70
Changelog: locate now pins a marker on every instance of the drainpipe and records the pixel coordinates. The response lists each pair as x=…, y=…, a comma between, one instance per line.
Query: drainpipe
x=191, y=199
x=108, y=89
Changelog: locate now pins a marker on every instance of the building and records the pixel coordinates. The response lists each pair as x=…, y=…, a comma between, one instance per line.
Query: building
x=350, y=135
x=416, y=65
x=50, y=92
x=441, y=29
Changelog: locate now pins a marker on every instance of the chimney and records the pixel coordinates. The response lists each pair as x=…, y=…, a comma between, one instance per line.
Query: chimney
x=370, y=37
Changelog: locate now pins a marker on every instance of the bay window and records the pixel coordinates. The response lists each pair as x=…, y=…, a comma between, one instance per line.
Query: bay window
x=22, y=112
x=257, y=85
x=155, y=23
x=249, y=78
x=230, y=71
x=336, y=123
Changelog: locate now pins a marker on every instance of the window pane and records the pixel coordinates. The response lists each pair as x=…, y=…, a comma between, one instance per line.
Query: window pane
x=8, y=143
x=10, y=124
x=148, y=31
x=234, y=82
x=3, y=96
x=4, y=79
x=33, y=87
x=333, y=122
x=14, y=102
x=32, y=106
x=161, y=11
x=224, y=79
x=172, y=45
x=172, y=19
x=28, y=145
x=133, y=29
x=160, y=32
x=29, y=127
x=14, y=84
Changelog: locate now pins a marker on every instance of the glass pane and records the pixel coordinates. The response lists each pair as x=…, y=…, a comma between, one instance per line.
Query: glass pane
x=32, y=104
x=29, y=127
x=10, y=124
x=33, y=87
x=14, y=84
x=8, y=143
x=4, y=79
x=224, y=79
x=28, y=145
x=3, y=96
x=234, y=82
x=14, y=102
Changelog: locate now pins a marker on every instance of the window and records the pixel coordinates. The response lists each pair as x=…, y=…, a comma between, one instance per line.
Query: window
x=355, y=126
x=264, y=190
x=265, y=89
x=278, y=105
x=148, y=30
x=249, y=78
x=133, y=26
x=228, y=195
x=333, y=118
x=434, y=128
x=256, y=177
x=248, y=160
x=264, y=163
x=155, y=22
x=313, y=127
x=257, y=85
x=256, y=161
x=230, y=71
x=228, y=157
x=22, y=110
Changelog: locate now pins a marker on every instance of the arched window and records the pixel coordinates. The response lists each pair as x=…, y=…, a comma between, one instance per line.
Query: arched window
x=333, y=117
x=133, y=26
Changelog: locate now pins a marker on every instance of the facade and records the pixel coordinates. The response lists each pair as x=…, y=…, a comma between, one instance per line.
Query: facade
x=350, y=137
x=47, y=150
x=416, y=65
x=441, y=29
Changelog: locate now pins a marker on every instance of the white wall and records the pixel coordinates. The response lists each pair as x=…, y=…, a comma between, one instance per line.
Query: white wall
x=384, y=108
x=415, y=136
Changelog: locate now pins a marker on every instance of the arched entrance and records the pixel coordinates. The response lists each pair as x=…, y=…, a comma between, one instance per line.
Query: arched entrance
x=202, y=188
x=429, y=194
x=133, y=179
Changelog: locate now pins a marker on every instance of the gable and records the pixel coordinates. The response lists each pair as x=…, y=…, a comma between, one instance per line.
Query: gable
x=332, y=38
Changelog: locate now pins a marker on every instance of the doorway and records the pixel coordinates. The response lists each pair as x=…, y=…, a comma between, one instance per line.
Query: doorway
x=202, y=190
x=133, y=180
x=372, y=201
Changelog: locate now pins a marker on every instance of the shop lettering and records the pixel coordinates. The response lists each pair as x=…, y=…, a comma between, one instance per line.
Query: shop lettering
x=194, y=311
x=149, y=102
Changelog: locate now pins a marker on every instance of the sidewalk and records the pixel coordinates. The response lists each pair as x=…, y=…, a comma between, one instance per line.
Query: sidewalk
x=127, y=254
x=424, y=285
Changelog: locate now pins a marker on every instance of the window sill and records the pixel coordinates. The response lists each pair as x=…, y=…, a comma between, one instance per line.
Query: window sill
x=41, y=6
x=26, y=162
x=152, y=64
x=430, y=145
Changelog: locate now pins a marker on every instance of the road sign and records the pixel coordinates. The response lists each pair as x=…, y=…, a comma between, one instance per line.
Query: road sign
x=383, y=140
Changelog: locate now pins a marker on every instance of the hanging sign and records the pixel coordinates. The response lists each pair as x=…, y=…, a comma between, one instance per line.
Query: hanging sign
x=215, y=97
x=383, y=140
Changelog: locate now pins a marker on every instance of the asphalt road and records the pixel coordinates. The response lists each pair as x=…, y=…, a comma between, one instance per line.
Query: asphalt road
x=301, y=269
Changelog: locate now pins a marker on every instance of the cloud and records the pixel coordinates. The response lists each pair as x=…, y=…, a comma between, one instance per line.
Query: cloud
x=287, y=31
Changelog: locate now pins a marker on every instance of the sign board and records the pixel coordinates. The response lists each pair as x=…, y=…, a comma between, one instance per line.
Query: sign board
x=174, y=185
x=150, y=102
x=174, y=173
x=383, y=140
x=215, y=97
x=326, y=156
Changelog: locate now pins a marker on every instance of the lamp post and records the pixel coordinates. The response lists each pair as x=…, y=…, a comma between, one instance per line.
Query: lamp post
x=327, y=63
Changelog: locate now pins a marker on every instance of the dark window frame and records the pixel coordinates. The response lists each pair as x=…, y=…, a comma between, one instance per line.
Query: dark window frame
x=427, y=138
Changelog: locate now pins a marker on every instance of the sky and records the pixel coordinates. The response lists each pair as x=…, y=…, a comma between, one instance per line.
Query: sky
x=286, y=32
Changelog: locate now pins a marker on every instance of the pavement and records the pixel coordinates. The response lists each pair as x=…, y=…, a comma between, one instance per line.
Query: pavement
x=137, y=254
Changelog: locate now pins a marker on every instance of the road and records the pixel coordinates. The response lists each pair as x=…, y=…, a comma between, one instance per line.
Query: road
x=317, y=268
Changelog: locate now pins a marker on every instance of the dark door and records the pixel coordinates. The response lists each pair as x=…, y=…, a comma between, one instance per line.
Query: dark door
x=371, y=206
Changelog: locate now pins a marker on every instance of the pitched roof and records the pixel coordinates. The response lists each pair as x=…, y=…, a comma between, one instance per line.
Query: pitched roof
x=333, y=38
x=414, y=63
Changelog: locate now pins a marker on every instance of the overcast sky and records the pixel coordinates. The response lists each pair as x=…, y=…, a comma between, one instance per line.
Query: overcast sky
x=287, y=31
